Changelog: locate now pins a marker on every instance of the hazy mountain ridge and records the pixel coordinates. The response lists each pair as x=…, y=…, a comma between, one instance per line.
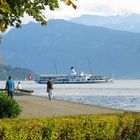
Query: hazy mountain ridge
x=129, y=23
x=61, y=44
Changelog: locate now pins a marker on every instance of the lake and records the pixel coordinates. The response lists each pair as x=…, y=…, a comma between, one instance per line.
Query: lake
x=121, y=94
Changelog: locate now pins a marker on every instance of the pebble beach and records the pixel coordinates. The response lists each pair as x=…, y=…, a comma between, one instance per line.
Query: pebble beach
x=36, y=106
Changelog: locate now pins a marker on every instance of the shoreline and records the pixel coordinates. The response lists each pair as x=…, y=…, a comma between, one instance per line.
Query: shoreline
x=39, y=106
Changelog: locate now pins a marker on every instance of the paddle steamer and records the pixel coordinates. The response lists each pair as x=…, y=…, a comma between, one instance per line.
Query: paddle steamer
x=73, y=78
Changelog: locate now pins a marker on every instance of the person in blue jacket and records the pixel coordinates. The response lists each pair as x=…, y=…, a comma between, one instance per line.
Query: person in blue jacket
x=10, y=87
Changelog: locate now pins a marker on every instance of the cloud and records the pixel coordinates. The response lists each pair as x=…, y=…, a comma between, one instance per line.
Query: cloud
x=97, y=7
x=108, y=7
x=94, y=7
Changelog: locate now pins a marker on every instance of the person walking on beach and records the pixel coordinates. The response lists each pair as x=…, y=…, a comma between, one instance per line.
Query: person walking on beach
x=49, y=88
x=10, y=87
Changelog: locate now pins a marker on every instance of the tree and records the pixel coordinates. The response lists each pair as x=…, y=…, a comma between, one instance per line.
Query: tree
x=11, y=11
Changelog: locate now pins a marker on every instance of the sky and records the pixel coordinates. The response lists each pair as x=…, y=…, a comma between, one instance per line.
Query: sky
x=92, y=7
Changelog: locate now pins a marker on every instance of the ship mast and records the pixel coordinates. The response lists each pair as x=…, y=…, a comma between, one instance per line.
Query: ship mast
x=90, y=67
x=55, y=67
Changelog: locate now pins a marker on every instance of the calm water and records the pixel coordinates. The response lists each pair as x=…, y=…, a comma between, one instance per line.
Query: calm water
x=121, y=94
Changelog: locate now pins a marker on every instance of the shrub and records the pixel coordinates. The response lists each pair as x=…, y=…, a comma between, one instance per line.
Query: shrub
x=8, y=107
x=81, y=127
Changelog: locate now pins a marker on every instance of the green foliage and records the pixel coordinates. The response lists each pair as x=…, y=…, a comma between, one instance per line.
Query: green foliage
x=8, y=107
x=83, y=127
x=12, y=11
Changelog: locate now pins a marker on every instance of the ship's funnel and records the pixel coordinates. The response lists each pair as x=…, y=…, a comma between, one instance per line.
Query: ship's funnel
x=73, y=72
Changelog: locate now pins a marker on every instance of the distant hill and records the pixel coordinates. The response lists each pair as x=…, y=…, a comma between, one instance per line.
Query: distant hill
x=17, y=73
x=124, y=23
x=62, y=44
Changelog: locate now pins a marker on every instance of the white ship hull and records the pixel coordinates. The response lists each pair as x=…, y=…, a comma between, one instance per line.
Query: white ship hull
x=73, y=79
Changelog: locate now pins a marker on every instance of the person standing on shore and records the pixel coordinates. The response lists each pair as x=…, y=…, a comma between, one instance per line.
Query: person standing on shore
x=10, y=87
x=49, y=88
x=18, y=86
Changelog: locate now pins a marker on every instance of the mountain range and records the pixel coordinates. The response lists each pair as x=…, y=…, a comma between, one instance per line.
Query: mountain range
x=130, y=22
x=61, y=44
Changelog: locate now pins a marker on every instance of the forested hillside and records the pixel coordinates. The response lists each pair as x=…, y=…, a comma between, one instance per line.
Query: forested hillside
x=17, y=73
